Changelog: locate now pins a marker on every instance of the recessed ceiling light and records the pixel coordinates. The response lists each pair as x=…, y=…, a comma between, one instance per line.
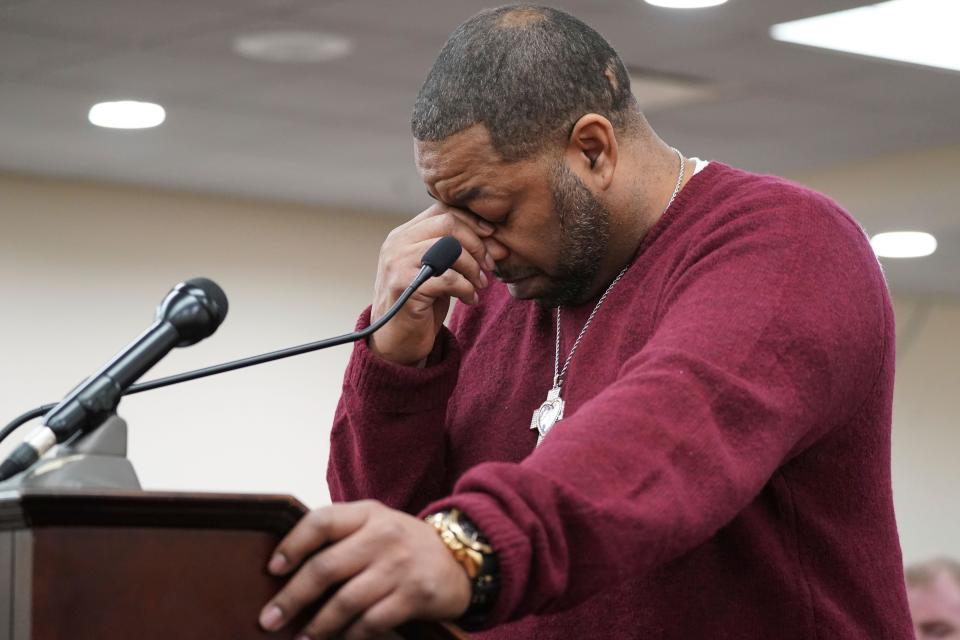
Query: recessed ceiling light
x=903, y=244
x=916, y=31
x=292, y=46
x=127, y=114
x=685, y=4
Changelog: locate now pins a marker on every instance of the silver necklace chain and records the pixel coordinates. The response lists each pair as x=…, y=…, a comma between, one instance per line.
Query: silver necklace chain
x=559, y=374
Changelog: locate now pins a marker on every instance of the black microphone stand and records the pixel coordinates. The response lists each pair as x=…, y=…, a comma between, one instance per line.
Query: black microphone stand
x=96, y=456
x=93, y=459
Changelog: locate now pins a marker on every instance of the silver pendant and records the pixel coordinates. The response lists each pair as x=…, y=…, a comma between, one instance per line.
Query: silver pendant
x=548, y=414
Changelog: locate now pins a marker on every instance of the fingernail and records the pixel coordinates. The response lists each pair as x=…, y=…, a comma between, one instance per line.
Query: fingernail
x=277, y=563
x=271, y=618
x=476, y=298
x=485, y=226
x=489, y=263
x=483, y=279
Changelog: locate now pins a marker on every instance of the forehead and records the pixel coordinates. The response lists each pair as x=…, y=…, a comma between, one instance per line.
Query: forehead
x=466, y=159
x=941, y=597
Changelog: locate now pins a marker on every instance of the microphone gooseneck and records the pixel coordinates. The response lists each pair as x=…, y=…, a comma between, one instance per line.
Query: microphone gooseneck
x=191, y=311
x=438, y=258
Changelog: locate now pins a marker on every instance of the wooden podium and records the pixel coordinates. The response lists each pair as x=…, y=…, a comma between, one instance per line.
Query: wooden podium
x=144, y=566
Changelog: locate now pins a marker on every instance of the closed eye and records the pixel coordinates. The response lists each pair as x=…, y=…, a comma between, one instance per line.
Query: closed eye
x=936, y=629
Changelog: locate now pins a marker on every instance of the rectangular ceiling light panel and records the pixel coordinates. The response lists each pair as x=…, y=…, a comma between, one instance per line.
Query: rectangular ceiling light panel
x=920, y=32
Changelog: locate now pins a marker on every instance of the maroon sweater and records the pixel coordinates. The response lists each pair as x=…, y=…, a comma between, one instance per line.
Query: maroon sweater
x=723, y=469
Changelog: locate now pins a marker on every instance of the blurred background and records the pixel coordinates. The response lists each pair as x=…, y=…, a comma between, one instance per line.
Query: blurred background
x=284, y=158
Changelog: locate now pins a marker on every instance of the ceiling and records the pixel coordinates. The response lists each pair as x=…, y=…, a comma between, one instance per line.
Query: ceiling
x=882, y=137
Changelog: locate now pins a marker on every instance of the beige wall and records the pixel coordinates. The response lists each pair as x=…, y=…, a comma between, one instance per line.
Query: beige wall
x=82, y=268
x=926, y=428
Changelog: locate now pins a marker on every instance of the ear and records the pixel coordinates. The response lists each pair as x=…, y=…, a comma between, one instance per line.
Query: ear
x=592, y=150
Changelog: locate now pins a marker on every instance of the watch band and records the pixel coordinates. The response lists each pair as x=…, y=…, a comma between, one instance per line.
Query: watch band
x=473, y=552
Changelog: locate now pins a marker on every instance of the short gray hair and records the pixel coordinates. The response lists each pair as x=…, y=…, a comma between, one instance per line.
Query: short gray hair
x=527, y=73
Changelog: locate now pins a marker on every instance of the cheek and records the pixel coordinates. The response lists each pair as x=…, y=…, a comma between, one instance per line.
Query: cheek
x=531, y=241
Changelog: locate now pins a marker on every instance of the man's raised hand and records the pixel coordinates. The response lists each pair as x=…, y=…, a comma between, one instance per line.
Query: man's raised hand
x=409, y=337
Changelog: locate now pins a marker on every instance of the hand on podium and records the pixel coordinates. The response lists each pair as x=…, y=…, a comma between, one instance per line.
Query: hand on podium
x=388, y=567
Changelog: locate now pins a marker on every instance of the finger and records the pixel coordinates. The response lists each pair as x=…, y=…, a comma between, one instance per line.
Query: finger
x=436, y=209
x=387, y=614
x=466, y=264
x=480, y=226
x=351, y=601
x=450, y=225
x=316, y=529
x=496, y=251
x=450, y=284
x=318, y=574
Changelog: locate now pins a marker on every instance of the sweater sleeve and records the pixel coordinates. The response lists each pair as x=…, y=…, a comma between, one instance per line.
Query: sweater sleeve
x=388, y=440
x=769, y=334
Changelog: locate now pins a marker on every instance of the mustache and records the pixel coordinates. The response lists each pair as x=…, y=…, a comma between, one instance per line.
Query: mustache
x=513, y=272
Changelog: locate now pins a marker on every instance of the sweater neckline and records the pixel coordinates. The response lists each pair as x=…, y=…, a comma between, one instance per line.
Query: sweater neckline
x=697, y=183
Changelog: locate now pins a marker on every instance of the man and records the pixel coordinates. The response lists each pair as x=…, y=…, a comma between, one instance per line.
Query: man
x=933, y=590
x=662, y=410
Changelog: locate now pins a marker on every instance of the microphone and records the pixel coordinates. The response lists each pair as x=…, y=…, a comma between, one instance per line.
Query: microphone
x=438, y=258
x=191, y=312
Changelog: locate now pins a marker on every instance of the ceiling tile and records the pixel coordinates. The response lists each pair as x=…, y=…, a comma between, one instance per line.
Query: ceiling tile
x=338, y=133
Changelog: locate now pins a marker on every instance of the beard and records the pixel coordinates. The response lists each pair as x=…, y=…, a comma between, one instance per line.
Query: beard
x=584, y=241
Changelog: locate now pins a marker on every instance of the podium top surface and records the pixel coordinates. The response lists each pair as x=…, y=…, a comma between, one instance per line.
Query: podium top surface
x=31, y=509
x=107, y=508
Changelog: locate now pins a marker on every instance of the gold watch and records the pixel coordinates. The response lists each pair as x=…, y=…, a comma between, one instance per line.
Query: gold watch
x=475, y=554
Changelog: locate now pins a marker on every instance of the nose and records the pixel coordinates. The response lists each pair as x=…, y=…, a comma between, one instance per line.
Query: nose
x=497, y=250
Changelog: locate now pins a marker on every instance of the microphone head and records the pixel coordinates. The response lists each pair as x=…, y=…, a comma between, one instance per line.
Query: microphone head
x=195, y=308
x=214, y=294
x=441, y=255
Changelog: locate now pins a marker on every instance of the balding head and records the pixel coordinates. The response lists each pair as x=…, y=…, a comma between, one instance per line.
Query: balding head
x=527, y=73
